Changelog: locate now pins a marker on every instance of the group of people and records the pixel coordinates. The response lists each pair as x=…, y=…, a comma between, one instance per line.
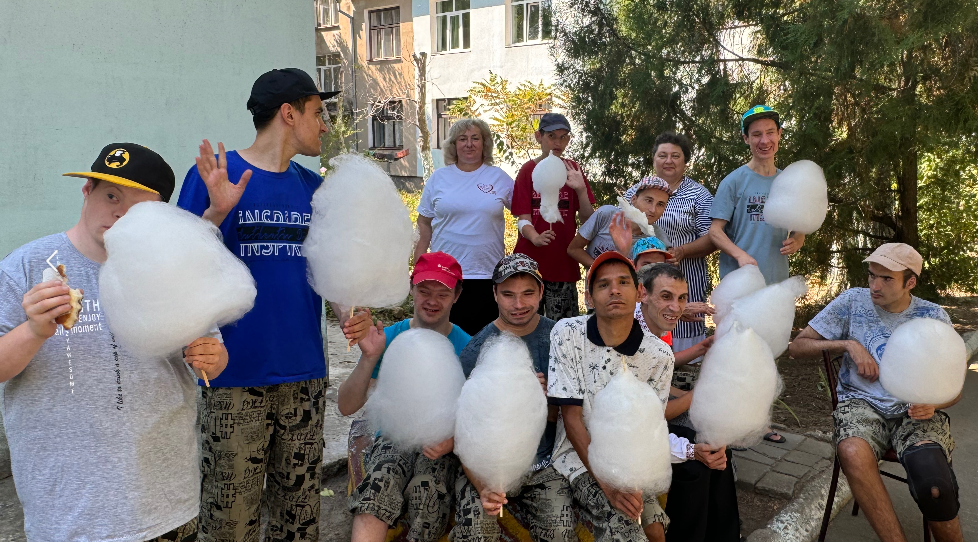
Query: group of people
x=107, y=446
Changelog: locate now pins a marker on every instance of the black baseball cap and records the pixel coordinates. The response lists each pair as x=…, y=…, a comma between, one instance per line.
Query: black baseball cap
x=132, y=165
x=277, y=87
x=553, y=121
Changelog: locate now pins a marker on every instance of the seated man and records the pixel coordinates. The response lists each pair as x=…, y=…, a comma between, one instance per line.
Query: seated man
x=869, y=421
x=585, y=353
x=518, y=290
x=702, y=504
x=390, y=475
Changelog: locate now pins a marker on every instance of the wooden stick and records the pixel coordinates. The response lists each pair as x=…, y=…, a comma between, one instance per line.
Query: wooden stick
x=502, y=510
x=204, y=374
x=351, y=316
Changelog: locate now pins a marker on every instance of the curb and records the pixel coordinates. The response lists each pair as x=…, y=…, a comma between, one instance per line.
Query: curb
x=971, y=344
x=801, y=519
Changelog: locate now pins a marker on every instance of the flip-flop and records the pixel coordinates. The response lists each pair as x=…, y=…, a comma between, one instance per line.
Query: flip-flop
x=770, y=438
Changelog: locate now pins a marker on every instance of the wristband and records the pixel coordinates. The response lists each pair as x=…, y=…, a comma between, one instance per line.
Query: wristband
x=522, y=222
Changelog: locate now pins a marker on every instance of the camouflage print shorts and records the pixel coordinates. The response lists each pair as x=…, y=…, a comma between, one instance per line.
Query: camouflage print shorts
x=184, y=533
x=545, y=495
x=396, y=481
x=856, y=418
x=261, y=444
x=610, y=524
x=559, y=300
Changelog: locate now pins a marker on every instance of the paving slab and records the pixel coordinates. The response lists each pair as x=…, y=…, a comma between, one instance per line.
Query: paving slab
x=768, y=449
x=751, y=455
x=803, y=458
x=777, y=485
x=749, y=472
x=815, y=447
x=791, y=441
x=791, y=469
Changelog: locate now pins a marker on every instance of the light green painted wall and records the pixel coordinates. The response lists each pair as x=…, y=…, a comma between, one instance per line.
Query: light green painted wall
x=77, y=75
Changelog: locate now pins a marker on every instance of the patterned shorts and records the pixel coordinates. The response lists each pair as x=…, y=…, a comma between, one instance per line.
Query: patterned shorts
x=856, y=418
x=559, y=300
x=255, y=437
x=610, y=524
x=545, y=495
x=394, y=481
x=184, y=533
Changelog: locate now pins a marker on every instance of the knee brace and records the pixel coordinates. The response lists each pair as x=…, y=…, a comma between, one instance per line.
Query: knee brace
x=932, y=482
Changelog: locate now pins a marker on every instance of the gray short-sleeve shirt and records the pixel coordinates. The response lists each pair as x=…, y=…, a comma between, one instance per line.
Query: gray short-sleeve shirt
x=102, y=444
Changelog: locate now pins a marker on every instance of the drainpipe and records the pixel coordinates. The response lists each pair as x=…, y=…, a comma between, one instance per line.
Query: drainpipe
x=353, y=69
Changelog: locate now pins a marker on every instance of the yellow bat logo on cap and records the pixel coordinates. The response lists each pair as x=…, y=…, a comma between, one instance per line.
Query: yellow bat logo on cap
x=117, y=158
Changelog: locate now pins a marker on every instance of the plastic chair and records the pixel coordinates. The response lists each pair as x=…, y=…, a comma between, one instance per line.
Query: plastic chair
x=832, y=366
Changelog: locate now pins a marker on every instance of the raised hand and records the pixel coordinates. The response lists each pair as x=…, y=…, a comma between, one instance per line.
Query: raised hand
x=575, y=177
x=223, y=194
x=620, y=230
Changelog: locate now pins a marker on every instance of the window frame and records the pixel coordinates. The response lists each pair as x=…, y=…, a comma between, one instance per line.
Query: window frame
x=525, y=4
x=464, y=24
x=333, y=17
x=388, y=119
x=440, y=116
x=395, y=29
x=335, y=69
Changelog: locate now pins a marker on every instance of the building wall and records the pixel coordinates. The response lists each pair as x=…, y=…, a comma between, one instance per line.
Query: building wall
x=376, y=79
x=452, y=74
x=75, y=76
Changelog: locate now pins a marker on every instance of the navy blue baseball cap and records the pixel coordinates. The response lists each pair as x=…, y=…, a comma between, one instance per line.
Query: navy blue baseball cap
x=553, y=121
x=277, y=87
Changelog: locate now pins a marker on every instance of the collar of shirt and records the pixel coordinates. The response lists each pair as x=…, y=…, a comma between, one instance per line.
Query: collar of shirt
x=628, y=347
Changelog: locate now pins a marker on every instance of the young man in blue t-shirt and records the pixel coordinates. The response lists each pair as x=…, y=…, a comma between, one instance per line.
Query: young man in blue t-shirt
x=387, y=476
x=262, y=420
x=869, y=421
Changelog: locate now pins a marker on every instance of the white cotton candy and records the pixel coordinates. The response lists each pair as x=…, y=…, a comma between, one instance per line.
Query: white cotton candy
x=502, y=414
x=737, y=284
x=629, y=438
x=770, y=312
x=924, y=363
x=636, y=216
x=360, y=236
x=737, y=386
x=169, y=280
x=416, y=396
x=799, y=198
x=549, y=176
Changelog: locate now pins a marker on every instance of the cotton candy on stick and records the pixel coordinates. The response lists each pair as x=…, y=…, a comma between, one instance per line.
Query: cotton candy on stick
x=549, y=176
x=770, y=312
x=799, y=198
x=502, y=414
x=924, y=363
x=737, y=284
x=629, y=447
x=169, y=280
x=737, y=386
x=636, y=216
x=360, y=236
x=416, y=396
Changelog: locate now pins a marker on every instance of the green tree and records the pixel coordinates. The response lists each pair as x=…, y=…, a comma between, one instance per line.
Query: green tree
x=880, y=93
x=510, y=113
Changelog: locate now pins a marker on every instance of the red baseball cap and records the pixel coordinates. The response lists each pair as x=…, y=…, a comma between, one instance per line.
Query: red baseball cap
x=604, y=257
x=437, y=266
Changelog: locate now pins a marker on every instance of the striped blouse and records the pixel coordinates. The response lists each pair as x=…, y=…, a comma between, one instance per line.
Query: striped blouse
x=686, y=219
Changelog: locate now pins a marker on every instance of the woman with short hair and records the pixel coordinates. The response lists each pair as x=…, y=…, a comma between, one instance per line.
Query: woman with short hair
x=462, y=213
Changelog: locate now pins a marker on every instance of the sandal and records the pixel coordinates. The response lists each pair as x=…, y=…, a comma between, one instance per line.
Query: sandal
x=770, y=438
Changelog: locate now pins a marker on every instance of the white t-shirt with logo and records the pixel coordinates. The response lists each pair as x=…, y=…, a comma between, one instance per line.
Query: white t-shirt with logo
x=468, y=216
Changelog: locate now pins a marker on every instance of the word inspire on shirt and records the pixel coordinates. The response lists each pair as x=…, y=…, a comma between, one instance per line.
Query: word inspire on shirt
x=267, y=232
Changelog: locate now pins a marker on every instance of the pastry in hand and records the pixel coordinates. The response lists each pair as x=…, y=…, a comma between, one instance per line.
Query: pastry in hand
x=69, y=318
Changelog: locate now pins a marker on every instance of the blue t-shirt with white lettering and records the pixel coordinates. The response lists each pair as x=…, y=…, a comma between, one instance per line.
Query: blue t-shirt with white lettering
x=458, y=338
x=280, y=339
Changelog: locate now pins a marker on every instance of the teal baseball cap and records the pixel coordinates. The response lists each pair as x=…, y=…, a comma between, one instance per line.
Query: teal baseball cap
x=756, y=113
x=648, y=244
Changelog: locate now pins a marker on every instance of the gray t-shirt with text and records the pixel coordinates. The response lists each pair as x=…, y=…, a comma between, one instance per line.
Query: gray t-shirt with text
x=102, y=444
x=740, y=201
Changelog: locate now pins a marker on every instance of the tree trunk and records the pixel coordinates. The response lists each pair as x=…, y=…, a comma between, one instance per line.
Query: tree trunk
x=907, y=179
x=421, y=67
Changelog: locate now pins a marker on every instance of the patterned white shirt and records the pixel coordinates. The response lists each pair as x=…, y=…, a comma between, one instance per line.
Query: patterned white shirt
x=581, y=366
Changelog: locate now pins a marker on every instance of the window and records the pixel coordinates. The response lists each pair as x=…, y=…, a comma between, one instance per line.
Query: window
x=387, y=126
x=327, y=13
x=330, y=69
x=385, y=33
x=444, y=120
x=452, y=21
x=532, y=21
